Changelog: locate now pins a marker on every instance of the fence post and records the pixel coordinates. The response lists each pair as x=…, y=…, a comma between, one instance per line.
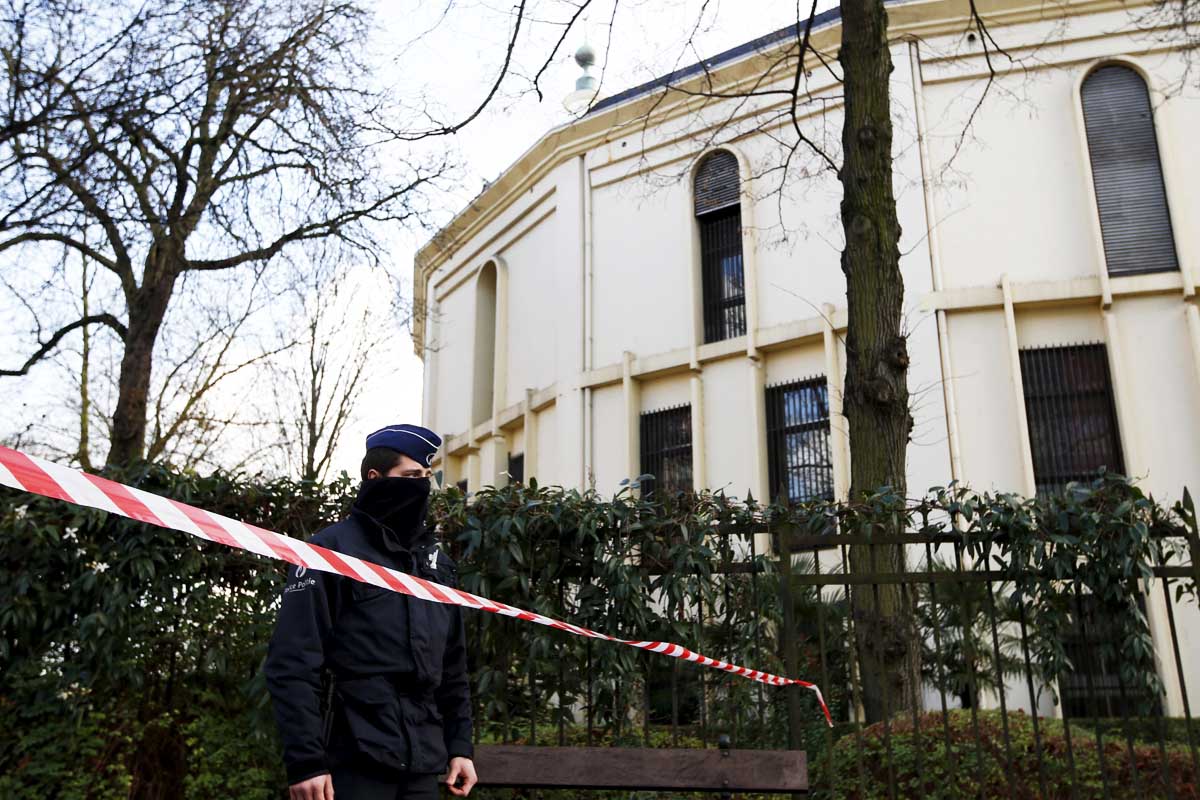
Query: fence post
x=791, y=659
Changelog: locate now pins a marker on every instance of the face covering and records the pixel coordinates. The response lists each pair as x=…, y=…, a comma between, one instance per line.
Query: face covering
x=397, y=505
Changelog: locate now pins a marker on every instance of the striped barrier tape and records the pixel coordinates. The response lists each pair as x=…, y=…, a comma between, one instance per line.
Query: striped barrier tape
x=38, y=476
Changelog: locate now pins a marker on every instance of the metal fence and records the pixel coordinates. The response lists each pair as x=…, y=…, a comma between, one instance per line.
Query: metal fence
x=979, y=681
x=984, y=719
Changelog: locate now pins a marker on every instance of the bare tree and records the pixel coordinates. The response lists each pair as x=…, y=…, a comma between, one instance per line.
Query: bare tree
x=201, y=137
x=338, y=338
x=779, y=105
x=208, y=374
x=876, y=388
x=33, y=96
x=83, y=455
x=327, y=399
x=876, y=396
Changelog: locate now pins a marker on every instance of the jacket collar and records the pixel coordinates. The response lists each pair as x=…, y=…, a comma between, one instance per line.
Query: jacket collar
x=385, y=538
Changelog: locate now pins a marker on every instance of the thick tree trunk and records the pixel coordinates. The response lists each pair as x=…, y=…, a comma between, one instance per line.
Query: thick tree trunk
x=876, y=393
x=146, y=312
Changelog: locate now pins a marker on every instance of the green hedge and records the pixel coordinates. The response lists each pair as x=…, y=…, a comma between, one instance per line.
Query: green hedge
x=110, y=755
x=979, y=767
x=44, y=753
x=130, y=656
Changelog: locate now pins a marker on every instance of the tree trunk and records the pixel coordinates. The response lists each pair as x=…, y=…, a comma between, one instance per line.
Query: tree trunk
x=147, y=309
x=84, y=454
x=876, y=392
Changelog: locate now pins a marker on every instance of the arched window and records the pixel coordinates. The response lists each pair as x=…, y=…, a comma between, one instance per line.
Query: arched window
x=1135, y=222
x=719, y=214
x=485, y=344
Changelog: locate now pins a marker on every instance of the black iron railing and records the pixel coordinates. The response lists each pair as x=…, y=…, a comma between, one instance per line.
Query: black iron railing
x=983, y=716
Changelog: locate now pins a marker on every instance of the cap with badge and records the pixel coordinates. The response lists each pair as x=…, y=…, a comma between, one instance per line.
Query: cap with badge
x=419, y=444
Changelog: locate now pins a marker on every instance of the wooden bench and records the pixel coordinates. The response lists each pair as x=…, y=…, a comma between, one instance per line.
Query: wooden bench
x=723, y=770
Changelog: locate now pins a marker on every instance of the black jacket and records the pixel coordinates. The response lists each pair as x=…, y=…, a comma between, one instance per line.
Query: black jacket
x=400, y=696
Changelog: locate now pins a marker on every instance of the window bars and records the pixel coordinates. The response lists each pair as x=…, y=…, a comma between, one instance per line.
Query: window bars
x=1131, y=199
x=800, y=464
x=1072, y=417
x=666, y=447
x=722, y=274
x=717, y=195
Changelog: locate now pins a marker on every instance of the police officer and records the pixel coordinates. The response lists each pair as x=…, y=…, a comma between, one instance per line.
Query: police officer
x=370, y=686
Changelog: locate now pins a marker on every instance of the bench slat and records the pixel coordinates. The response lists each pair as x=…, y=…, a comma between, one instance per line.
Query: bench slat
x=642, y=768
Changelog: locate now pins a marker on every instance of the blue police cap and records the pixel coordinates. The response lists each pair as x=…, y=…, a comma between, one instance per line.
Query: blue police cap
x=419, y=444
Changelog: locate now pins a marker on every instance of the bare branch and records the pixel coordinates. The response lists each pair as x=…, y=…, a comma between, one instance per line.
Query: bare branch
x=804, y=39
x=447, y=130
x=45, y=236
x=316, y=230
x=558, y=44
x=48, y=345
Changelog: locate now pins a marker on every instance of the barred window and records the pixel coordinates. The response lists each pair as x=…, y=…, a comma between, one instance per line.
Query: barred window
x=1131, y=199
x=1071, y=414
x=719, y=214
x=666, y=444
x=800, y=463
x=516, y=468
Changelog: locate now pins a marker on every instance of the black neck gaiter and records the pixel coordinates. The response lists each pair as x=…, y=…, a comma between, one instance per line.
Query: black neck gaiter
x=397, y=506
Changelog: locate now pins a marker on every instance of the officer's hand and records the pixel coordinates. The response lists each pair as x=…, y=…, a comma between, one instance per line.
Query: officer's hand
x=316, y=788
x=462, y=768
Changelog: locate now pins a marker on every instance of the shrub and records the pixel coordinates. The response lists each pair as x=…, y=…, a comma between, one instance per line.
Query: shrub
x=44, y=753
x=123, y=647
x=231, y=757
x=978, y=767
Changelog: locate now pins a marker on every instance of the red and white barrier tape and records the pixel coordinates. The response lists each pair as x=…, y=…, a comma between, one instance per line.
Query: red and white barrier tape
x=46, y=478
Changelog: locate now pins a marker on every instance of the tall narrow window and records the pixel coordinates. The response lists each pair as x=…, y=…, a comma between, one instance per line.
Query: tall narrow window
x=1135, y=222
x=1072, y=417
x=800, y=463
x=666, y=439
x=516, y=468
x=722, y=276
x=485, y=344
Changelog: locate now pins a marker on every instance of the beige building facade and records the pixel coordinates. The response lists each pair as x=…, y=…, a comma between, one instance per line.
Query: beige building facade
x=645, y=290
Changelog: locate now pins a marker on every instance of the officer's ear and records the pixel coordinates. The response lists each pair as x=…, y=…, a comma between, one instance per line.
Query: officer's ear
x=372, y=474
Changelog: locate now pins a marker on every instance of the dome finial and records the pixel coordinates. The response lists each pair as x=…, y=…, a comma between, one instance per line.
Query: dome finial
x=586, y=86
x=585, y=56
